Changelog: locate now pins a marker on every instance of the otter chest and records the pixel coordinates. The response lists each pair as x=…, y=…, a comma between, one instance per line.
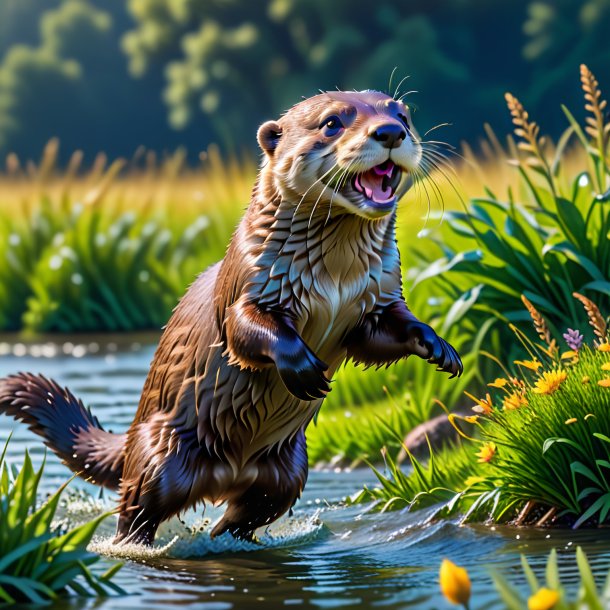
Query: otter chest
x=328, y=279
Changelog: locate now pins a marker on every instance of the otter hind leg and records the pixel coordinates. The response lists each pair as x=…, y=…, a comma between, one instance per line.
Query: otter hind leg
x=281, y=478
x=252, y=510
x=158, y=484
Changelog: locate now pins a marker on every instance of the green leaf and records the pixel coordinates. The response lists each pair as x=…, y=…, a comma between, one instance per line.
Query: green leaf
x=552, y=572
x=588, y=588
x=508, y=594
x=35, y=592
x=24, y=549
x=585, y=471
x=529, y=574
x=592, y=510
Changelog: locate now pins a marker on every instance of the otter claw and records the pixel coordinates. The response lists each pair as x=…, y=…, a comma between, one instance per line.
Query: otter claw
x=303, y=373
x=428, y=345
x=451, y=362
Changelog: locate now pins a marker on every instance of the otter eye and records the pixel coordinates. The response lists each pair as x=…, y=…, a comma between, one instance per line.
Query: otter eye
x=405, y=120
x=332, y=125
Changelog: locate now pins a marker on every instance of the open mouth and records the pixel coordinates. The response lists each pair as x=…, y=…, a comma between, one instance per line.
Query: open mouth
x=379, y=183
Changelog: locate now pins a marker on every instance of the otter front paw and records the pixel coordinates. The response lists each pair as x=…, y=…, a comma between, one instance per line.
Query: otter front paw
x=425, y=343
x=302, y=371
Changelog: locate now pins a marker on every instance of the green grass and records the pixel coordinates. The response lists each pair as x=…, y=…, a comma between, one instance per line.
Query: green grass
x=437, y=481
x=38, y=563
x=105, y=252
x=542, y=439
x=587, y=593
x=546, y=237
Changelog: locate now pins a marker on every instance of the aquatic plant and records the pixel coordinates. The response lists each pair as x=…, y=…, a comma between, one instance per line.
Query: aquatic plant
x=551, y=595
x=38, y=562
x=537, y=451
x=545, y=239
x=96, y=251
x=455, y=583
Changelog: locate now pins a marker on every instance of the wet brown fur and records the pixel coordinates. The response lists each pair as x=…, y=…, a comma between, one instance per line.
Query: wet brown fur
x=311, y=278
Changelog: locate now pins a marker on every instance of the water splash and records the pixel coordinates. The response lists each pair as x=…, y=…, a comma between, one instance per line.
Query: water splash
x=189, y=535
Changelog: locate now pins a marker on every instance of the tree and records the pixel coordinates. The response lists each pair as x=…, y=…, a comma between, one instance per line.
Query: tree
x=74, y=84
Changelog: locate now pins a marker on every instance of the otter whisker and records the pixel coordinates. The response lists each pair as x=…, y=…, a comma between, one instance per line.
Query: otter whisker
x=438, y=126
x=310, y=187
x=440, y=158
x=448, y=178
x=391, y=78
x=339, y=185
x=315, y=205
x=429, y=167
x=420, y=178
x=443, y=151
x=397, y=90
x=403, y=95
x=443, y=148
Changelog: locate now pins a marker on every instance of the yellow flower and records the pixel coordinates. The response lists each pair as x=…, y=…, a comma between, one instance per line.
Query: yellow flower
x=544, y=599
x=513, y=401
x=568, y=354
x=487, y=452
x=484, y=405
x=471, y=419
x=604, y=347
x=606, y=366
x=549, y=382
x=605, y=382
x=572, y=420
x=498, y=383
x=455, y=583
x=473, y=481
x=532, y=365
x=586, y=379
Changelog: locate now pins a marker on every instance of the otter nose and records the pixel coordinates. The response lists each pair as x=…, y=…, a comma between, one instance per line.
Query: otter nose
x=390, y=135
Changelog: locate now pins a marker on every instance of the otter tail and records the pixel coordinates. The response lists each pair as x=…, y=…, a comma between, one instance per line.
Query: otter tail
x=66, y=425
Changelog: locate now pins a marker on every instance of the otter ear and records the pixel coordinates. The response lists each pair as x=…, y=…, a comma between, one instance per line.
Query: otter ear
x=268, y=136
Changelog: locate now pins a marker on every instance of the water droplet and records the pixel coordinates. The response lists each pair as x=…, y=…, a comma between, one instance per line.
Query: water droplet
x=55, y=262
x=19, y=350
x=79, y=351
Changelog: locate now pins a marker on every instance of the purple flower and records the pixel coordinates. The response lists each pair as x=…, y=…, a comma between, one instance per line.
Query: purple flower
x=573, y=339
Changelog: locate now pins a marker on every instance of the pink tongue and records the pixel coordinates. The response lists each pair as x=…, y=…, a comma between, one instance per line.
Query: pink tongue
x=372, y=181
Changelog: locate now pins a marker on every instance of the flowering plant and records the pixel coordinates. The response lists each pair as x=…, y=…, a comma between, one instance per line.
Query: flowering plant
x=544, y=436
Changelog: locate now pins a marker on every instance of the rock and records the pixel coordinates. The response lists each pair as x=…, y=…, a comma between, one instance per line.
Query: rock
x=439, y=431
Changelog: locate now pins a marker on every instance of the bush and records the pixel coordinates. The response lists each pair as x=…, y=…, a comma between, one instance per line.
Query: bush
x=37, y=562
x=456, y=586
x=543, y=441
x=547, y=239
x=80, y=259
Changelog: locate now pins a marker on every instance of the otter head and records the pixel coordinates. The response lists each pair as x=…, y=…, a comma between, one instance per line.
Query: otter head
x=352, y=151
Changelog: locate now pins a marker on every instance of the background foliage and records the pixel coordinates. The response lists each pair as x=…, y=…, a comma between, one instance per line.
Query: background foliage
x=160, y=73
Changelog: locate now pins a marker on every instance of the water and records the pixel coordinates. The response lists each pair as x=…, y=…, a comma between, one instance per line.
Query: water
x=327, y=555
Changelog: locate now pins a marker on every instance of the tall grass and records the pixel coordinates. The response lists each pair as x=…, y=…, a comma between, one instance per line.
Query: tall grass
x=545, y=236
x=538, y=443
x=39, y=563
x=113, y=247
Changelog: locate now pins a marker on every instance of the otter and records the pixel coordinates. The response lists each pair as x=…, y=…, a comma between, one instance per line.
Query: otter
x=311, y=279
